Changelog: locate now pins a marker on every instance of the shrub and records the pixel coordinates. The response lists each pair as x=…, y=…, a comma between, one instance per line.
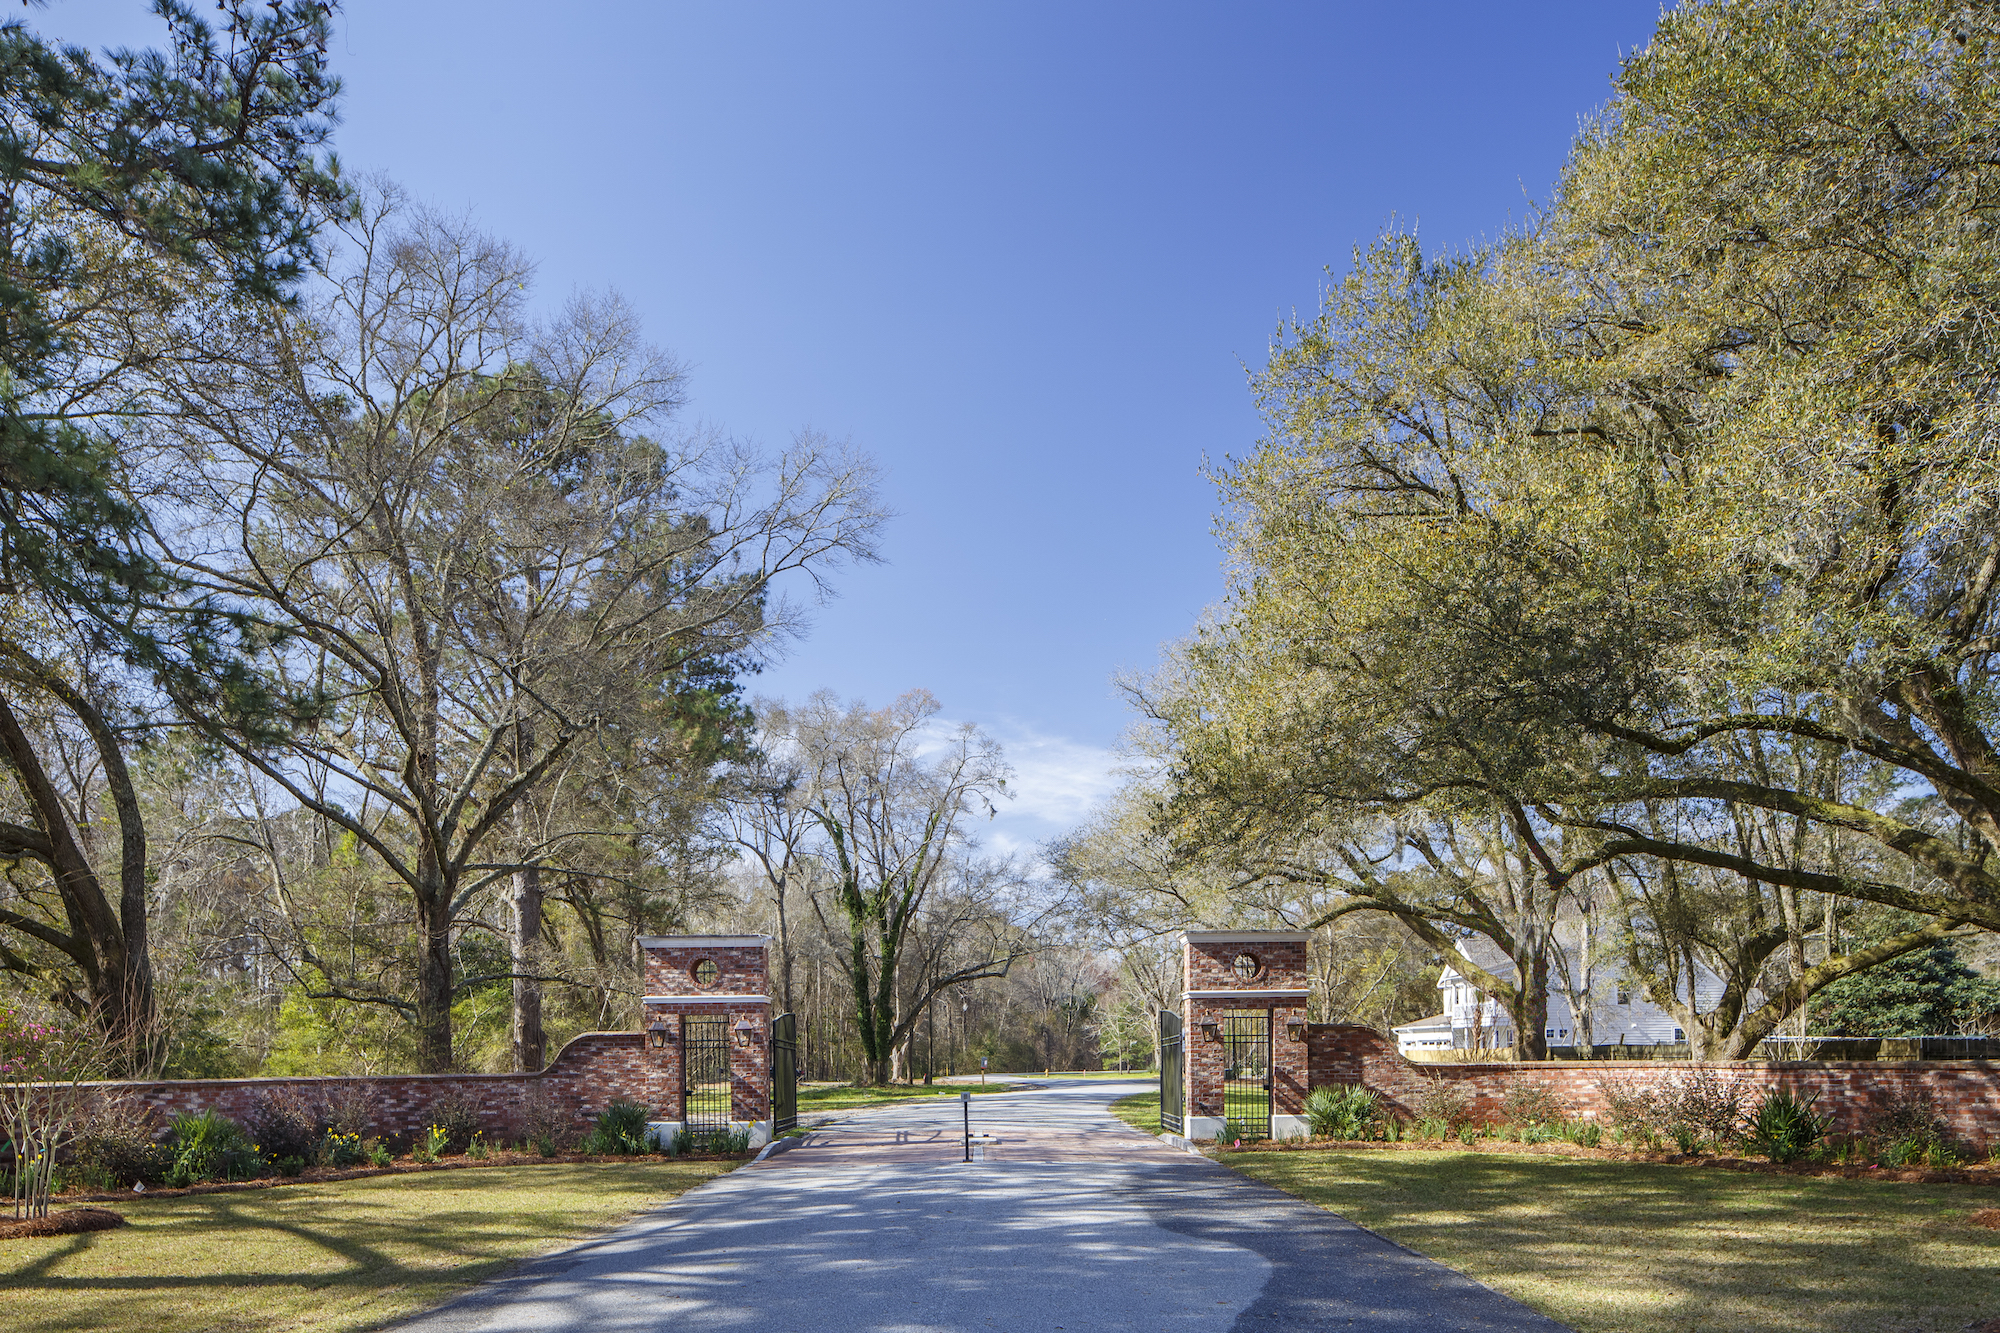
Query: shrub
x=285, y=1122
x=1707, y=1103
x=1443, y=1102
x=458, y=1117
x=544, y=1125
x=207, y=1144
x=377, y=1152
x=348, y=1110
x=1343, y=1111
x=621, y=1130
x=117, y=1146
x=1694, y=1107
x=1529, y=1103
x=1784, y=1128
x=1634, y=1109
x=1910, y=1132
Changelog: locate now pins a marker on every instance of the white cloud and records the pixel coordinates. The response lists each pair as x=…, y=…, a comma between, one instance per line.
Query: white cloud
x=1056, y=782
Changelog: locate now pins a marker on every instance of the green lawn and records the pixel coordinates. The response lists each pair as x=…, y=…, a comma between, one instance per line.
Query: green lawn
x=1618, y=1247
x=1140, y=1111
x=327, y=1258
x=845, y=1097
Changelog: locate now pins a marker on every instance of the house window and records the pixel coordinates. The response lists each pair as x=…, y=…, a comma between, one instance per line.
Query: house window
x=1624, y=995
x=1680, y=1035
x=1552, y=1032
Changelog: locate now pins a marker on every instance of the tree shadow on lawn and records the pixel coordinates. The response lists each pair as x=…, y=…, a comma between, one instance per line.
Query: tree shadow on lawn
x=1633, y=1247
x=197, y=1237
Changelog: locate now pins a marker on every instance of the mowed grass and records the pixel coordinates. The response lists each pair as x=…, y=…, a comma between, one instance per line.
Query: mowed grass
x=845, y=1097
x=328, y=1258
x=1140, y=1111
x=1615, y=1247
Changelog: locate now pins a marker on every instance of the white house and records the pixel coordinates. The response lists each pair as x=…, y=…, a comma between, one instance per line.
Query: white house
x=1620, y=1013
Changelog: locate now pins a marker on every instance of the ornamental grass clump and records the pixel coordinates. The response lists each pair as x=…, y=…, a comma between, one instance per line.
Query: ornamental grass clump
x=1785, y=1128
x=208, y=1145
x=1346, y=1111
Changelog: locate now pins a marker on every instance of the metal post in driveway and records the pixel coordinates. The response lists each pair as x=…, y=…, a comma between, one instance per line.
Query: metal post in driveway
x=965, y=1100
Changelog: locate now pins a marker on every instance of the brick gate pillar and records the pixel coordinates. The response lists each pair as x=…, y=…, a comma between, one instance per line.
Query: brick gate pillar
x=1244, y=971
x=710, y=976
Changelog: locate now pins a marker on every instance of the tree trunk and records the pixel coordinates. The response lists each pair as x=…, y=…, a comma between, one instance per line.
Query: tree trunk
x=1531, y=1008
x=530, y=1042
x=108, y=946
x=434, y=980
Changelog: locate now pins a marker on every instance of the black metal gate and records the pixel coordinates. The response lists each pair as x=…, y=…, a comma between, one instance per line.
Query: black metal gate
x=784, y=1073
x=705, y=1074
x=1173, y=1099
x=1246, y=1070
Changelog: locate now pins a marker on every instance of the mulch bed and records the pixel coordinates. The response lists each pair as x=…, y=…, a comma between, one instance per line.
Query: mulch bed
x=320, y=1175
x=68, y=1222
x=1975, y=1173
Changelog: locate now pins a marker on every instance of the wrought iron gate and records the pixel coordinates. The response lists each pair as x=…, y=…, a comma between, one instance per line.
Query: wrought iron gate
x=784, y=1073
x=705, y=1074
x=1246, y=1070
x=1173, y=1099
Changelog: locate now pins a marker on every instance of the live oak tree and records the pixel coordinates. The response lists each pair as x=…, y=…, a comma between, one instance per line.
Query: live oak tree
x=125, y=183
x=1666, y=523
x=486, y=562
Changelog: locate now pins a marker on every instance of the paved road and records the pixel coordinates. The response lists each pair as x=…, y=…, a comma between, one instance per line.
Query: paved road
x=1072, y=1222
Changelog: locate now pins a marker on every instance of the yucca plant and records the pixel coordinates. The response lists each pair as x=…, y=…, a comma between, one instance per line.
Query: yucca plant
x=1343, y=1111
x=1785, y=1128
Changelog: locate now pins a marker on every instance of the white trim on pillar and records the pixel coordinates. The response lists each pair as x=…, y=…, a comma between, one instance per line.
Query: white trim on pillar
x=1274, y=996
x=716, y=999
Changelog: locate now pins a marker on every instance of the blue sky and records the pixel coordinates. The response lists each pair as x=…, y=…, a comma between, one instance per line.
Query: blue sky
x=1021, y=253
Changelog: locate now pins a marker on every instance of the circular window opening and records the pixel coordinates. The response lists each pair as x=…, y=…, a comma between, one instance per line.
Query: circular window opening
x=705, y=972
x=1245, y=965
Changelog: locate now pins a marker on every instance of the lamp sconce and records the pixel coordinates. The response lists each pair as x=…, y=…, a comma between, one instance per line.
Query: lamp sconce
x=658, y=1036
x=1295, y=1028
x=1211, y=1030
x=744, y=1031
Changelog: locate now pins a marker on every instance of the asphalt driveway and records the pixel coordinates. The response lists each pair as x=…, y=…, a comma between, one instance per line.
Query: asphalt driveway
x=1072, y=1221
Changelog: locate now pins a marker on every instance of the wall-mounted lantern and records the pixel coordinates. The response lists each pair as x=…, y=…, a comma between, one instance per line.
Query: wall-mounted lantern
x=1295, y=1028
x=744, y=1031
x=1211, y=1030
x=656, y=1035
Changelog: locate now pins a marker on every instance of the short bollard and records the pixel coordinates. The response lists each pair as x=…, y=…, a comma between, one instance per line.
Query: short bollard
x=965, y=1100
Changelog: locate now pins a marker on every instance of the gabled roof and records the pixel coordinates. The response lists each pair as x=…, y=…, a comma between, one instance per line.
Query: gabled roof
x=1435, y=1022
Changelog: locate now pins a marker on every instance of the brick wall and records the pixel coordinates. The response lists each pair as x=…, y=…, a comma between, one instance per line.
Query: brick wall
x=1283, y=964
x=1967, y=1092
x=740, y=969
x=591, y=1071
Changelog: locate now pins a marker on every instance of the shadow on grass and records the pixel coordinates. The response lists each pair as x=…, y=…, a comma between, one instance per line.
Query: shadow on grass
x=1634, y=1247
